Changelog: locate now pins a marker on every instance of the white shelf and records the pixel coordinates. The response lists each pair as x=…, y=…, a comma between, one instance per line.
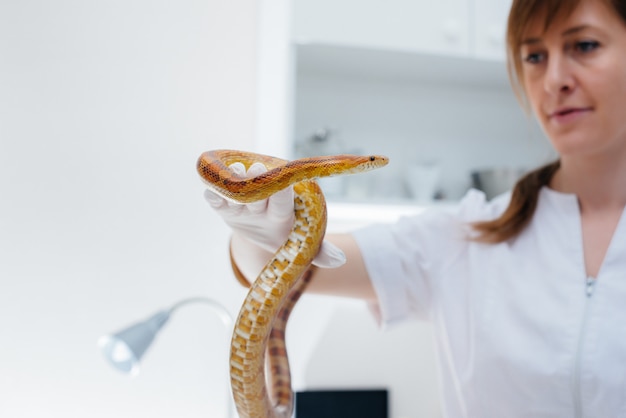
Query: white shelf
x=349, y=61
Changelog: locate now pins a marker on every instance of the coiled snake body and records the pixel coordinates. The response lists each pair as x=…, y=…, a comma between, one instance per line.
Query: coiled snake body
x=261, y=323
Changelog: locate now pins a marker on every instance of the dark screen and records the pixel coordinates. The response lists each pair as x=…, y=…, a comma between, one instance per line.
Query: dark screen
x=371, y=403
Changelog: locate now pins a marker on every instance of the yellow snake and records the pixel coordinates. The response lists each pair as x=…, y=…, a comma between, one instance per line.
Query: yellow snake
x=261, y=323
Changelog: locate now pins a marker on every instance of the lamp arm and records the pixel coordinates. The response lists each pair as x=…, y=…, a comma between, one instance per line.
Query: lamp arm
x=223, y=314
x=226, y=319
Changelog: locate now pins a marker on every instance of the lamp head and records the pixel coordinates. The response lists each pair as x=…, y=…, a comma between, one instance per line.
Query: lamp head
x=124, y=349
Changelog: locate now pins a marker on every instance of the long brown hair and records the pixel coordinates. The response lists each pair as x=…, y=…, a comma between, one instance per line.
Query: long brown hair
x=525, y=193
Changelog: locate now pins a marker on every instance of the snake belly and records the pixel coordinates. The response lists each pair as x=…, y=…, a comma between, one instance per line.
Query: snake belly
x=261, y=323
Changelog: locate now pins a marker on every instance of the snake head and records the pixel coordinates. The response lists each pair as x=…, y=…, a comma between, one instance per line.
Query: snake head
x=378, y=161
x=360, y=164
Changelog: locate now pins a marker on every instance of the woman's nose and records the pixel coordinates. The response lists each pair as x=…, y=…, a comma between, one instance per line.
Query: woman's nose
x=558, y=77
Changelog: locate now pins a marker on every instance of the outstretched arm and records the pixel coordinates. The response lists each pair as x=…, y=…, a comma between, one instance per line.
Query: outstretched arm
x=349, y=280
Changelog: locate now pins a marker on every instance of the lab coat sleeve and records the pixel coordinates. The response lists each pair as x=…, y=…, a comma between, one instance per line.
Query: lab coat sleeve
x=405, y=259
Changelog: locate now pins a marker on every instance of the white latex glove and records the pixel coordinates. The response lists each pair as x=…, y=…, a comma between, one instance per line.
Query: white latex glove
x=267, y=223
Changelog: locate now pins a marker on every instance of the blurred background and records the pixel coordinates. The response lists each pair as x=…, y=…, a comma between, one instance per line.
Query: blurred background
x=104, y=109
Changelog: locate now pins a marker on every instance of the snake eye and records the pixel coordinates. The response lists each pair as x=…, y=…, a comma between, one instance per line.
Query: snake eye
x=372, y=158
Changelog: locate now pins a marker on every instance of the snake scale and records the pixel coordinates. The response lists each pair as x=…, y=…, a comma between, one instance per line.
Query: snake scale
x=260, y=326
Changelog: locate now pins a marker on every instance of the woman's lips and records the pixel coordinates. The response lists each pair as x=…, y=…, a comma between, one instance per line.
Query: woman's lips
x=568, y=115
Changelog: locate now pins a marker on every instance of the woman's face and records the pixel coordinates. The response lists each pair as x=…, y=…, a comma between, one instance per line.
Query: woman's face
x=574, y=76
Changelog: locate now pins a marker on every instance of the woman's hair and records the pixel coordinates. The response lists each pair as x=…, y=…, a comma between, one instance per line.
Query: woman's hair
x=525, y=193
x=521, y=207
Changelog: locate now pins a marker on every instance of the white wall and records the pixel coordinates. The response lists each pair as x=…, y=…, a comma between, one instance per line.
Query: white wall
x=104, y=108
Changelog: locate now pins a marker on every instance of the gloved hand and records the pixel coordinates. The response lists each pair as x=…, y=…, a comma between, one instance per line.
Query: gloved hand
x=267, y=223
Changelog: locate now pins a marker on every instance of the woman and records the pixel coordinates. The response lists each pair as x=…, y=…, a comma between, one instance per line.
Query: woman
x=527, y=293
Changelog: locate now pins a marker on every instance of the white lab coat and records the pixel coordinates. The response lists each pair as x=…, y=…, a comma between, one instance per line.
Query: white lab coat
x=520, y=330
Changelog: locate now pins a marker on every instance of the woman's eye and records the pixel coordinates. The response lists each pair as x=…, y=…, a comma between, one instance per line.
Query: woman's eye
x=534, y=58
x=586, y=46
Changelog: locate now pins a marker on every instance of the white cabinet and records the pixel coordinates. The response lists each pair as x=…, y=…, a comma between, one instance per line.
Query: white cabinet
x=423, y=82
x=426, y=26
x=490, y=18
x=470, y=28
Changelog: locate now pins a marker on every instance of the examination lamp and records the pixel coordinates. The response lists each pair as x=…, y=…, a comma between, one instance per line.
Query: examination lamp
x=124, y=349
